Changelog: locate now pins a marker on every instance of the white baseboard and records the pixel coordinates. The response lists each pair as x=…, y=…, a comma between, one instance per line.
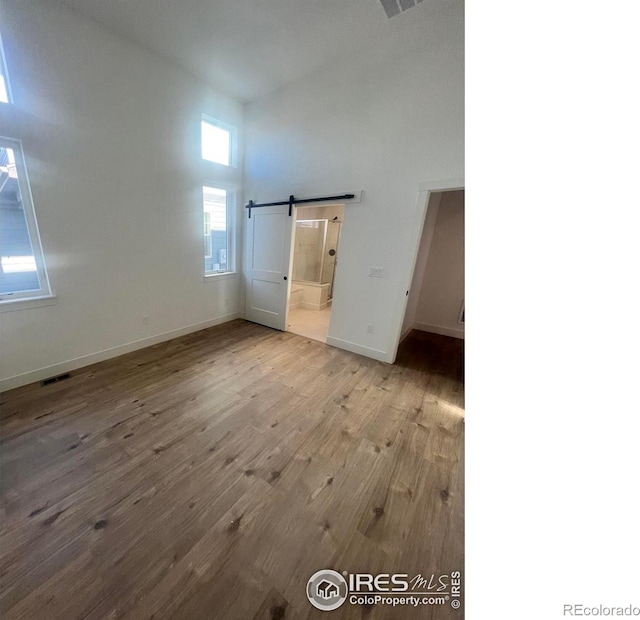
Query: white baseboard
x=311, y=306
x=438, y=329
x=375, y=354
x=79, y=362
x=295, y=306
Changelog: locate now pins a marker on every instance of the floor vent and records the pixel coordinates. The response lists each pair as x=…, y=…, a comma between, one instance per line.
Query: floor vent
x=50, y=380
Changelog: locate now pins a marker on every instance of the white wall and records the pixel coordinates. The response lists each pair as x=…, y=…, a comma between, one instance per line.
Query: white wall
x=442, y=291
x=383, y=121
x=111, y=138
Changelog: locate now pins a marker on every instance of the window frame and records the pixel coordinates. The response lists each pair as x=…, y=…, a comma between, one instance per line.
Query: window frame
x=233, y=141
x=44, y=291
x=232, y=195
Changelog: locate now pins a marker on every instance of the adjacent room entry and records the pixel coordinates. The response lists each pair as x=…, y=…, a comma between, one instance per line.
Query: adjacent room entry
x=435, y=301
x=316, y=239
x=291, y=262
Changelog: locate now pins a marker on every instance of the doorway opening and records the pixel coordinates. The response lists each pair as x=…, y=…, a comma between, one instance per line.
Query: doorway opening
x=315, y=256
x=434, y=314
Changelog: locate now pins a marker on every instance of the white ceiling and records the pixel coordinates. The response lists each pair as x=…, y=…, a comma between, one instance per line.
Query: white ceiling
x=247, y=48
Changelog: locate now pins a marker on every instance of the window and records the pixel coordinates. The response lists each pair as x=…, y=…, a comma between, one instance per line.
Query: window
x=218, y=217
x=22, y=270
x=218, y=142
x=4, y=82
x=219, y=148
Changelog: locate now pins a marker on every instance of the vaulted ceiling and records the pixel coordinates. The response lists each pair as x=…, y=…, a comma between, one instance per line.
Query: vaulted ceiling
x=248, y=48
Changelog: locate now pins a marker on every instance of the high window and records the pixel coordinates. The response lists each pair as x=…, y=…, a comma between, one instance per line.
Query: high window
x=218, y=142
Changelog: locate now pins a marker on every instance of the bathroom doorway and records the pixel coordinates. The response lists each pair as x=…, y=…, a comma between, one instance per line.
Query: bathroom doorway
x=315, y=257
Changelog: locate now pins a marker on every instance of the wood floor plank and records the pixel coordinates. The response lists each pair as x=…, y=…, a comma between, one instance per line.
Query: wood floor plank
x=211, y=475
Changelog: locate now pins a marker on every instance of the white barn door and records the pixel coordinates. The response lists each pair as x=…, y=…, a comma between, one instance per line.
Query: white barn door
x=268, y=244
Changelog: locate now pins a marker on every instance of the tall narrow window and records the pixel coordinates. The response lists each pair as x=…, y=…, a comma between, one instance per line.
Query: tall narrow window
x=217, y=224
x=4, y=80
x=22, y=268
x=218, y=142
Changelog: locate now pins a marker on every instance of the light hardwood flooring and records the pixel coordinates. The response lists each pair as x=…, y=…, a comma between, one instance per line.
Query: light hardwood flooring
x=313, y=324
x=212, y=475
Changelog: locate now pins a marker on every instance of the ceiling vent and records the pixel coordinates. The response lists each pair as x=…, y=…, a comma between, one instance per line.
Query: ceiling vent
x=394, y=7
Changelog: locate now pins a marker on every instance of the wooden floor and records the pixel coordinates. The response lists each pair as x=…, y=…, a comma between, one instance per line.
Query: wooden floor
x=212, y=475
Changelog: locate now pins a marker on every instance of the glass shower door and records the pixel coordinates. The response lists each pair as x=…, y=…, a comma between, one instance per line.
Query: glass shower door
x=308, y=253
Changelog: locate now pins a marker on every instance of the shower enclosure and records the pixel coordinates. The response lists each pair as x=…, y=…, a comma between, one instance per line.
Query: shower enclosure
x=315, y=252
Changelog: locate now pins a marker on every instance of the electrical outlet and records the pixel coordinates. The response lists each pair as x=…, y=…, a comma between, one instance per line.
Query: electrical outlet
x=370, y=328
x=145, y=320
x=375, y=272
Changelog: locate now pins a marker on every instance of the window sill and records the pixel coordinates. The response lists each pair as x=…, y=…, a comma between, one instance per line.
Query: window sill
x=224, y=275
x=8, y=305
